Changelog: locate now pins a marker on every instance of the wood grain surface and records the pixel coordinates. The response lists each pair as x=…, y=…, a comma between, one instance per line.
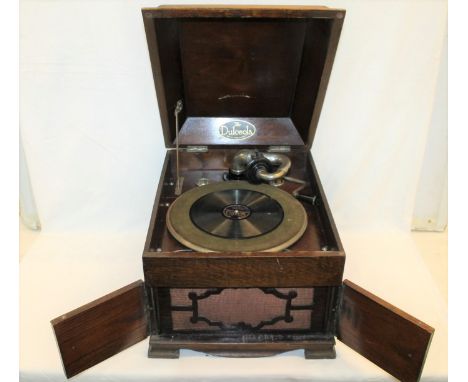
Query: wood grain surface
x=168, y=264
x=204, y=131
x=273, y=11
x=382, y=333
x=320, y=233
x=98, y=330
x=269, y=65
x=231, y=69
x=243, y=62
x=205, y=270
x=246, y=345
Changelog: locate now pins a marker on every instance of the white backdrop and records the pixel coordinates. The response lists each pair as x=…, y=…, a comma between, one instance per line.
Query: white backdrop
x=92, y=135
x=93, y=144
x=430, y=210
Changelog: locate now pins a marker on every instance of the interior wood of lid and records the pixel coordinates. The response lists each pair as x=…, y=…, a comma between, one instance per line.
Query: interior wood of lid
x=268, y=131
x=226, y=62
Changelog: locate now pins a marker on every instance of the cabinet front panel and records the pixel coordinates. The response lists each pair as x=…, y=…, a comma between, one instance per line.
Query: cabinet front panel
x=231, y=310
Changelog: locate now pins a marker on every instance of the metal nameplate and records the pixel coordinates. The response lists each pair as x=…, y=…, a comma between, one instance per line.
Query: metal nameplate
x=237, y=129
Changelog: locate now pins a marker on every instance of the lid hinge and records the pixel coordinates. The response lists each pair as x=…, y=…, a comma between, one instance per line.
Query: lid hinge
x=279, y=149
x=196, y=149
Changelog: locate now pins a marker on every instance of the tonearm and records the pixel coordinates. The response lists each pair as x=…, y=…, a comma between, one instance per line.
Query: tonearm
x=258, y=167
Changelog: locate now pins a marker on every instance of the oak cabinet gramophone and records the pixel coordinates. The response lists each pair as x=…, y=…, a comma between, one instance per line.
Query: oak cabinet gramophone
x=242, y=257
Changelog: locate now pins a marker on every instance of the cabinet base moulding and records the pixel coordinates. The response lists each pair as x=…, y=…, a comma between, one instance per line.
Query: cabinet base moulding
x=168, y=346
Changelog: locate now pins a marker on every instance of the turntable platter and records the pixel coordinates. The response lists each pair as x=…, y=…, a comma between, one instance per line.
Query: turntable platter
x=236, y=216
x=236, y=213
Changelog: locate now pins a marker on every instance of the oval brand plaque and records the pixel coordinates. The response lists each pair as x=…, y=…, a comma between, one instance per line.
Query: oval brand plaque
x=237, y=130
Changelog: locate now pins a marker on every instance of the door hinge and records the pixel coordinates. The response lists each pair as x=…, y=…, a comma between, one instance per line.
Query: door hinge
x=196, y=149
x=337, y=309
x=148, y=306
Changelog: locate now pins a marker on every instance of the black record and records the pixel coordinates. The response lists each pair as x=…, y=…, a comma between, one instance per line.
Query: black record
x=236, y=213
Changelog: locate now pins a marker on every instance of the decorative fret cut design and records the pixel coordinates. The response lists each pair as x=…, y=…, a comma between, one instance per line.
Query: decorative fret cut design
x=242, y=309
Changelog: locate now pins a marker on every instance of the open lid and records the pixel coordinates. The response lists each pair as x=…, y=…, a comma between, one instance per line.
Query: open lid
x=246, y=75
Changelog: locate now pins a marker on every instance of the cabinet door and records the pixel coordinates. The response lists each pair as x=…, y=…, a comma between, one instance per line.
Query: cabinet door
x=98, y=330
x=382, y=333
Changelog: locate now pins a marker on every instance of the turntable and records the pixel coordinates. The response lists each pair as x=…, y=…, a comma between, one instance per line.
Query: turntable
x=236, y=216
x=242, y=257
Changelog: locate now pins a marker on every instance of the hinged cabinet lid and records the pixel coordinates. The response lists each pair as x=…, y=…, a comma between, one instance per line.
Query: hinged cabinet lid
x=382, y=333
x=96, y=331
x=245, y=75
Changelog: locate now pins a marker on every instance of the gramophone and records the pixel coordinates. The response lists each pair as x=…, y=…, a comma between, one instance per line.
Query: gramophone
x=242, y=256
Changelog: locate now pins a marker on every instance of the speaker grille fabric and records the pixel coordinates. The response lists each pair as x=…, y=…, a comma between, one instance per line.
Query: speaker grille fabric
x=242, y=308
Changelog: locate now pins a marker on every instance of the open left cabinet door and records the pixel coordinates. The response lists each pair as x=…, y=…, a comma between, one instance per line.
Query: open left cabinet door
x=98, y=330
x=382, y=333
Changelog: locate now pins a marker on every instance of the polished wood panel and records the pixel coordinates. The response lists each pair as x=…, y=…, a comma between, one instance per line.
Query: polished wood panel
x=164, y=108
x=205, y=270
x=246, y=345
x=231, y=70
x=320, y=234
x=387, y=336
x=320, y=256
x=333, y=39
x=246, y=62
x=315, y=50
x=96, y=331
x=170, y=85
x=264, y=11
x=331, y=238
x=204, y=131
x=156, y=213
x=269, y=66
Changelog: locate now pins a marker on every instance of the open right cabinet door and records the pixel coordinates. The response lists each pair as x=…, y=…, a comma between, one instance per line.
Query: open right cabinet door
x=382, y=333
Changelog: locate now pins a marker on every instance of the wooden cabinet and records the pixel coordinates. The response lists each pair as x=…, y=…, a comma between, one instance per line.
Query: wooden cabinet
x=266, y=68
